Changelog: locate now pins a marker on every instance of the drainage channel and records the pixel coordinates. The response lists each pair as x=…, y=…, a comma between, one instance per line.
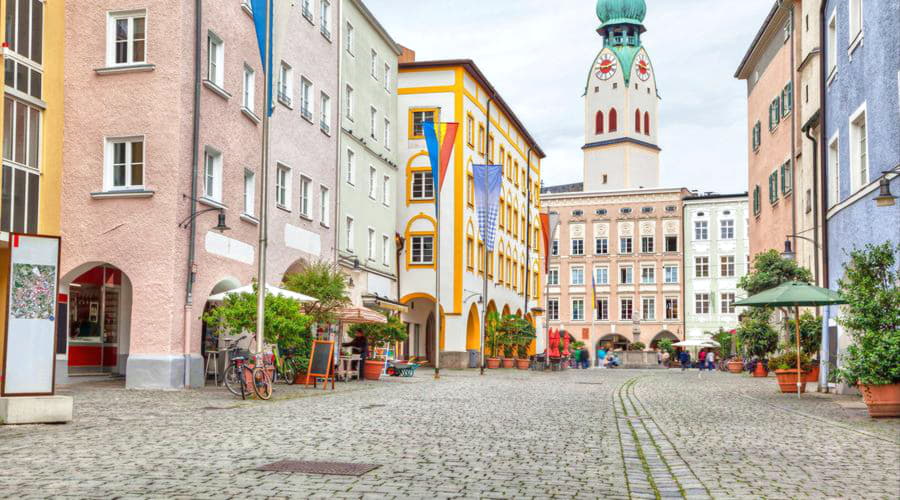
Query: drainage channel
x=652, y=466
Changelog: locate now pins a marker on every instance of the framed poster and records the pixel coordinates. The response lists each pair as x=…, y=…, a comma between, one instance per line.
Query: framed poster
x=29, y=359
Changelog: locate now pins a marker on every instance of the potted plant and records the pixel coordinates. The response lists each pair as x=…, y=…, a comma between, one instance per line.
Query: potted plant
x=525, y=334
x=810, y=340
x=379, y=334
x=871, y=287
x=785, y=365
x=757, y=339
x=492, y=334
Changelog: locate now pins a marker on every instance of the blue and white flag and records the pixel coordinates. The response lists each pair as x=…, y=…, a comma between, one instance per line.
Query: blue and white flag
x=280, y=15
x=488, y=179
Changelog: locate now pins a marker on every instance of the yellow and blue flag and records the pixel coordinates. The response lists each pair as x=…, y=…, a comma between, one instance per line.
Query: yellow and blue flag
x=440, y=138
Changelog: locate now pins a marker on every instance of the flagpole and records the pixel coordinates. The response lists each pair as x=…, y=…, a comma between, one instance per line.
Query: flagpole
x=437, y=282
x=264, y=190
x=484, y=294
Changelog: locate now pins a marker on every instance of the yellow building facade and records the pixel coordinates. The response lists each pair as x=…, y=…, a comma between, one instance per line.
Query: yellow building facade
x=489, y=133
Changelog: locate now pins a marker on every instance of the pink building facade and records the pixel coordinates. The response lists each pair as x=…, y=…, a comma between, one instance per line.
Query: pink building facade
x=135, y=160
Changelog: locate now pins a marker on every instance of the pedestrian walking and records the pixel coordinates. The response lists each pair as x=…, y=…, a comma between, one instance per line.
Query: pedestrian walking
x=585, y=358
x=665, y=359
x=601, y=357
x=685, y=359
x=711, y=361
x=701, y=358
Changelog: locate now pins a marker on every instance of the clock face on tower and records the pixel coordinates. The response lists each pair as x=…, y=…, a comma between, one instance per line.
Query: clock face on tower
x=643, y=67
x=606, y=68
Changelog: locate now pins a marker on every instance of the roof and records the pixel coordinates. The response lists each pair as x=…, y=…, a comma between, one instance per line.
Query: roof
x=476, y=73
x=564, y=188
x=714, y=196
x=562, y=194
x=739, y=73
x=377, y=25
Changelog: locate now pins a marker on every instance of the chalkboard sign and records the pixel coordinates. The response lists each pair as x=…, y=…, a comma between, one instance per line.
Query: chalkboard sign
x=321, y=364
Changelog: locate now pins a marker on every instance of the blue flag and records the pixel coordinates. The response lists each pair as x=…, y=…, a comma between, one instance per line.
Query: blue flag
x=488, y=179
x=259, y=21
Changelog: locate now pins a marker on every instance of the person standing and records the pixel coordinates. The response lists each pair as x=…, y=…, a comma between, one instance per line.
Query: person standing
x=601, y=357
x=701, y=360
x=711, y=360
x=685, y=359
x=665, y=358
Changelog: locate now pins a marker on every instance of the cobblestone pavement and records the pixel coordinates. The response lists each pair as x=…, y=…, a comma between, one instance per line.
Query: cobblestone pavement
x=579, y=433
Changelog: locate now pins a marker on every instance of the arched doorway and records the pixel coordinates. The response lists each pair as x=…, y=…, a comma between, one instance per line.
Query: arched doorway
x=98, y=319
x=519, y=313
x=473, y=329
x=613, y=341
x=209, y=338
x=663, y=334
x=505, y=310
x=419, y=319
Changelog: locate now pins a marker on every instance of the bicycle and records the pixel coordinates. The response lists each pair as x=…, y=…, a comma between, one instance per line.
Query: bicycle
x=242, y=380
x=285, y=367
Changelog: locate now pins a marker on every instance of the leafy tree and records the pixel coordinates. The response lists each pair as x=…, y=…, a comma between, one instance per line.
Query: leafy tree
x=665, y=345
x=492, y=333
x=770, y=269
x=757, y=337
x=636, y=346
x=326, y=283
x=810, y=332
x=381, y=333
x=871, y=287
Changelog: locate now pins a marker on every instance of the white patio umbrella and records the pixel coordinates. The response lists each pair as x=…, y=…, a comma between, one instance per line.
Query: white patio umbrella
x=274, y=290
x=695, y=344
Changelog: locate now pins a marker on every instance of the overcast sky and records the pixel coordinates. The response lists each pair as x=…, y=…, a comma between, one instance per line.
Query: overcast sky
x=537, y=55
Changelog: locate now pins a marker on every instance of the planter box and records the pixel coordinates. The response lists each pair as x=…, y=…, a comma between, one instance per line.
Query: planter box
x=372, y=370
x=493, y=363
x=760, y=371
x=882, y=400
x=523, y=364
x=735, y=366
x=787, y=380
x=509, y=362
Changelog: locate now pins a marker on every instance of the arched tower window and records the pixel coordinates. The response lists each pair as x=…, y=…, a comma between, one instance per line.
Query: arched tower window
x=613, y=126
x=637, y=121
x=598, y=123
x=646, y=123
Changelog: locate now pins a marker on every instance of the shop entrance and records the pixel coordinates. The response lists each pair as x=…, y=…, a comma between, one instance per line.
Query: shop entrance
x=98, y=320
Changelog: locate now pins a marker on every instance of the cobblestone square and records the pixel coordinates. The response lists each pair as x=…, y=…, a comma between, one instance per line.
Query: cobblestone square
x=510, y=434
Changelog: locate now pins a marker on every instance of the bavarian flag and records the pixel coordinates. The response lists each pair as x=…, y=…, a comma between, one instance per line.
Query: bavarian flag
x=440, y=138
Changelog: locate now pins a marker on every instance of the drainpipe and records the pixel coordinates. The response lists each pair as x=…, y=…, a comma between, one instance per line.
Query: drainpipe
x=337, y=145
x=824, y=361
x=793, y=127
x=528, y=227
x=195, y=155
x=807, y=129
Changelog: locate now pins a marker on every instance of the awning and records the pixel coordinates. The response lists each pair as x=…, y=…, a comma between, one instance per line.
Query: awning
x=383, y=303
x=281, y=292
x=359, y=315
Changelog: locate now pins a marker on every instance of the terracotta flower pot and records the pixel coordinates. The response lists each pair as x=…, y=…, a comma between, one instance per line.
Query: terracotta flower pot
x=787, y=380
x=735, y=366
x=509, y=362
x=523, y=364
x=372, y=370
x=882, y=400
x=813, y=374
x=301, y=378
x=760, y=370
x=493, y=363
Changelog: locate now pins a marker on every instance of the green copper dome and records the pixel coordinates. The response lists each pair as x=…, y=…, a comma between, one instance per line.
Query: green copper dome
x=612, y=12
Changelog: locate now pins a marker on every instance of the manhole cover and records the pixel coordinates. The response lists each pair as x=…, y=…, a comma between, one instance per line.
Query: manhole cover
x=330, y=468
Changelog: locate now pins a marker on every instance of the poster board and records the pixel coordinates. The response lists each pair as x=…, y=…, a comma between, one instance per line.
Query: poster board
x=29, y=357
x=321, y=364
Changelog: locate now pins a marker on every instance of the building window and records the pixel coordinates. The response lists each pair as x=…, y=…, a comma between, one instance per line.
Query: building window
x=648, y=275
x=701, y=230
x=613, y=120
x=625, y=210
x=417, y=118
x=387, y=134
x=386, y=80
x=834, y=174
x=602, y=309
x=470, y=130
x=422, y=250
x=349, y=234
x=470, y=189
x=626, y=309
x=306, y=10
x=553, y=309
x=647, y=244
x=831, y=44
x=601, y=276
x=370, y=244
x=553, y=277
x=212, y=175
x=637, y=120
x=598, y=123
x=626, y=275
x=773, y=187
x=422, y=185
x=670, y=273
x=554, y=247
x=671, y=243
x=671, y=308
x=727, y=303
x=481, y=139
x=216, y=60
x=324, y=206
x=787, y=99
x=386, y=190
x=351, y=167
x=601, y=246
x=385, y=250
x=577, y=276
x=25, y=38
x=285, y=84
x=757, y=136
x=325, y=19
x=859, y=162
x=127, y=37
x=249, y=193
x=646, y=210
x=647, y=120
x=726, y=229
x=756, y=204
x=774, y=114
x=577, y=245
x=373, y=115
x=306, y=99
x=306, y=197
x=726, y=269
x=648, y=308
x=577, y=309
x=325, y=119
x=348, y=102
x=373, y=63
x=625, y=244
x=701, y=267
x=373, y=183
x=348, y=37
x=786, y=178
x=249, y=88
x=856, y=20
x=125, y=164
x=283, y=186
x=701, y=303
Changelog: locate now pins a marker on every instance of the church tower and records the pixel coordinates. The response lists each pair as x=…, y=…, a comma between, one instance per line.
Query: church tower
x=621, y=104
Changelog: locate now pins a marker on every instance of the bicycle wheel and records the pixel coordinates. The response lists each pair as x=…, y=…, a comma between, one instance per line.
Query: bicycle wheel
x=288, y=372
x=232, y=380
x=262, y=384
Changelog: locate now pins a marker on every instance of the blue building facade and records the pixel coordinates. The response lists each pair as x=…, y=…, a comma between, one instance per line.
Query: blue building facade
x=861, y=135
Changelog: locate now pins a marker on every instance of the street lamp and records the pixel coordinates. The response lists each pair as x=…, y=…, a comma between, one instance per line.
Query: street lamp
x=788, y=252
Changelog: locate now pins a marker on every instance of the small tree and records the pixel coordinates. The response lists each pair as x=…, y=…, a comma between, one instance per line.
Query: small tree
x=770, y=269
x=757, y=337
x=724, y=339
x=492, y=332
x=323, y=281
x=378, y=334
x=524, y=338
x=810, y=332
x=665, y=345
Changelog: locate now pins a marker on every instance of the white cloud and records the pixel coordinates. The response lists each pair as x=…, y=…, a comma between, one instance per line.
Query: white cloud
x=537, y=55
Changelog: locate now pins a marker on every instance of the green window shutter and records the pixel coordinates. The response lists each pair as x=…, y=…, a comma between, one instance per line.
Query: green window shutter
x=777, y=105
x=773, y=187
x=786, y=178
x=787, y=99
x=756, y=200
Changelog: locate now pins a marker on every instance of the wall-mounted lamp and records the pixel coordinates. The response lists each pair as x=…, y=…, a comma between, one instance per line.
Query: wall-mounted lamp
x=221, y=226
x=884, y=198
x=788, y=252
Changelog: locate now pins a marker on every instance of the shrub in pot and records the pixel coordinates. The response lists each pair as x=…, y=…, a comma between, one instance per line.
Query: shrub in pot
x=871, y=287
x=785, y=365
x=757, y=339
x=379, y=334
x=524, y=338
x=636, y=346
x=492, y=338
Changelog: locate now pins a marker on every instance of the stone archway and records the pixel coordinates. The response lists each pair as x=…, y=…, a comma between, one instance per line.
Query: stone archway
x=473, y=329
x=663, y=334
x=614, y=342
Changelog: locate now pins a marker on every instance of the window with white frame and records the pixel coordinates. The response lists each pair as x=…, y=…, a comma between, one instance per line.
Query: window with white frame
x=306, y=104
x=348, y=102
x=701, y=267
x=727, y=302
x=577, y=309
x=124, y=164
x=306, y=9
x=325, y=19
x=126, y=37
x=553, y=309
x=325, y=121
x=422, y=185
x=576, y=275
x=386, y=190
x=831, y=46
x=24, y=32
x=373, y=186
x=212, y=175
x=324, y=206
x=385, y=250
x=670, y=273
x=373, y=64
x=554, y=247
x=626, y=309
x=648, y=308
x=370, y=244
x=601, y=246
x=701, y=230
x=671, y=243
x=285, y=84
x=726, y=229
x=249, y=88
x=626, y=275
x=625, y=245
x=601, y=275
x=577, y=246
x=350, y=165
x=602, y=309
x=387, y=134
x=349, y=35
x=349, y=235
x=373, y=114
x=387, y=77
x=249, y=193
x=859, y=161
x=306, y=197
x=856, y=20
x=283, y=186
x=215, y=71
x=422, y=249
x=726, y=267
x=647, y=244
x=553, y=277
x=671, y=307
x=648, y=275
x=834, y=174
x=701, y=303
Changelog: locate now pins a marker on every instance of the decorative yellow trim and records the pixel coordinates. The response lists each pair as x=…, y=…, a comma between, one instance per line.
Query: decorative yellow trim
x=535, y=165
x=470, y=130
x=408, y=235
x=409, y=178
x=409, y=123
x=425, y=90
x=458, y=202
